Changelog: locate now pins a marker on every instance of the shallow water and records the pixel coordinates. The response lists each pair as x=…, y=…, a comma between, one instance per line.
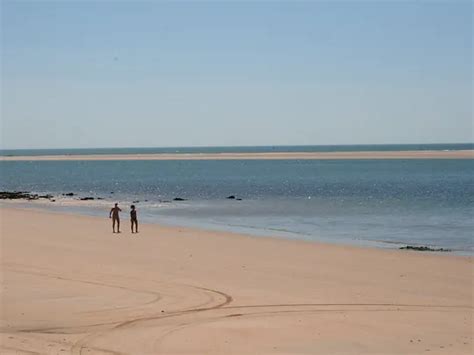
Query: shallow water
x=376, y=202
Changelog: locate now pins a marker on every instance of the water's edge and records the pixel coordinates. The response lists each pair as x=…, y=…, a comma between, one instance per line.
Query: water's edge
x=89, y=210
x=384, y=202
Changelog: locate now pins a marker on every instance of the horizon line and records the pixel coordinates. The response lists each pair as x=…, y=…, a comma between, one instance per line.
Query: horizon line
x=242, y=146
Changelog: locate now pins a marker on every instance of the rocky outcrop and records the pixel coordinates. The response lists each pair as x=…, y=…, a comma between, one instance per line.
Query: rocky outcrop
x=232, y=197
x=424, y=248
x=22, y=195
x=16, y=195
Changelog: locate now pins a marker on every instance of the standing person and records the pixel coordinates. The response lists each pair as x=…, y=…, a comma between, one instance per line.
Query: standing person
x=133, y=218
x=114, y=214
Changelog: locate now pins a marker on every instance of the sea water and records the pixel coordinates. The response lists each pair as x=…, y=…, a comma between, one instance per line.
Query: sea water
x=386, y=203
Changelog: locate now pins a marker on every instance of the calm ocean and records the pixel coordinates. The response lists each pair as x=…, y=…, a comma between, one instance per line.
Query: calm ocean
x=385, y=203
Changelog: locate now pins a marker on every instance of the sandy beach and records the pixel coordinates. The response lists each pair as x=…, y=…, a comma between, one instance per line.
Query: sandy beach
x=418, y=154
x=70, y=286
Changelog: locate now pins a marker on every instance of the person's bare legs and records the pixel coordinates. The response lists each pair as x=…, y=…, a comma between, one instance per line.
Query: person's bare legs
x=131, y=225
x=116, y=220
x=134, y=223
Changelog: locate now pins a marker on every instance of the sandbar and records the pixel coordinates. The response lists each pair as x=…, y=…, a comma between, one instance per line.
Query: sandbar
x=418, y=154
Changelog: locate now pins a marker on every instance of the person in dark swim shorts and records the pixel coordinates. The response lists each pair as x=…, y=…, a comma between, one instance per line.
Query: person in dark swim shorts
x=133, y=218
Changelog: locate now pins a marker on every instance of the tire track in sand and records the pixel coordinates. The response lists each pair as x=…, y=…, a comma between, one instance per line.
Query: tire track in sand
x=214, y=296
x=85, y=342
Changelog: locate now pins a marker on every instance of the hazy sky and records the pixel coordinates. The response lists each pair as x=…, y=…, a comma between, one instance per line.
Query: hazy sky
x=118, y=74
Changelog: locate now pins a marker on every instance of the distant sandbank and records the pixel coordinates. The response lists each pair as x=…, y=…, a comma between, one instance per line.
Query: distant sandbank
x=414, y=154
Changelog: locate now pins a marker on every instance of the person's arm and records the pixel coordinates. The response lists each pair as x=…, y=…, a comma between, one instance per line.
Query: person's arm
x=110, y=214
x=120, y=210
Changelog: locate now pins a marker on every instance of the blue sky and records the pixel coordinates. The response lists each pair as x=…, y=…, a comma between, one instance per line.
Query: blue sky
x=118, y=74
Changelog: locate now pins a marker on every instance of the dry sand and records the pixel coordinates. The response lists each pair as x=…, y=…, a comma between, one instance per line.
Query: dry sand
x=70, y=286
x=426, y=154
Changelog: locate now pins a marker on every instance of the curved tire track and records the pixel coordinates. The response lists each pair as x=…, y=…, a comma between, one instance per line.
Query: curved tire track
x=85, y=342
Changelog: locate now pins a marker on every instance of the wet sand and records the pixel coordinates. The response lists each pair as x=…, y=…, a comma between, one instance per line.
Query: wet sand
x=427, y=154
x=70, y=286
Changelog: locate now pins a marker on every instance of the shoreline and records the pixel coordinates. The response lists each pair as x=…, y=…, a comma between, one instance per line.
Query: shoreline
x=70, y=285
x=77, y=208
x=43, y=209
x=425, y=154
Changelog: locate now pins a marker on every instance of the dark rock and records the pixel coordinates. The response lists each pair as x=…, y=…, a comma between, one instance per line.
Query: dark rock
x=86, y=198
x=231, y=197
x=69, y=194
x=20, y=195
x=99, y=198
x=53, y=200
x=179, y=199
x=238, y=199
x=15, y=195
x=136, y=201
x=424, y=248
